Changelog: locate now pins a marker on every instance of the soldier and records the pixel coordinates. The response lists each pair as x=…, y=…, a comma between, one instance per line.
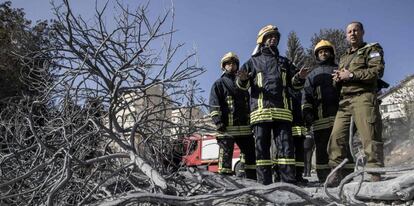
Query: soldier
x=269, y=76
x=360, y=68
x=320, y=104
x=230, y=110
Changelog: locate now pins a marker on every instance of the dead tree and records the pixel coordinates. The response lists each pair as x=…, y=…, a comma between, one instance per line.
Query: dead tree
x=102, y=131
x=107, y=126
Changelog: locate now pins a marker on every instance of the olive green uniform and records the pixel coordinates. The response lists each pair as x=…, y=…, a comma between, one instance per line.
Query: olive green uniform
x=359, y=99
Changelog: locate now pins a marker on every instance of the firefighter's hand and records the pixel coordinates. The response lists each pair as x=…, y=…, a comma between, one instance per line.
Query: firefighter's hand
x=220, y=127
x=243, y=75
x=303, y=72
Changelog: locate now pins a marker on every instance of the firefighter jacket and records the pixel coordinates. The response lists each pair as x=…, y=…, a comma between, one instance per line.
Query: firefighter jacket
x=367, y=66
x=229, y=107
x=270, y=77
x=320, y=97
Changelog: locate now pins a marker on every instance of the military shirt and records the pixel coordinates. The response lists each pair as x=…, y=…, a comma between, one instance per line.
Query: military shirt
x=367, y=65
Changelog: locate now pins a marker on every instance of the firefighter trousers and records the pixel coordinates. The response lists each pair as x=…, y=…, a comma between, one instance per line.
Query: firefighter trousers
x=364, y=109
x=299, y=155
x=285, y=162
x=308, y=145
x=321, y=138
x=226, y=148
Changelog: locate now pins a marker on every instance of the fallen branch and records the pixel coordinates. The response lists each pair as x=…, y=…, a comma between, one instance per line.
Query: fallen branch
x=209, y=198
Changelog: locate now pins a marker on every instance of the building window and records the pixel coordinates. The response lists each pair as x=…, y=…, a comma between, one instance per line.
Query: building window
x=384, y=108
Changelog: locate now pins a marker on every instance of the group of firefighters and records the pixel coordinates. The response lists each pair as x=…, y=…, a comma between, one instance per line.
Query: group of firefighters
x=268, y=100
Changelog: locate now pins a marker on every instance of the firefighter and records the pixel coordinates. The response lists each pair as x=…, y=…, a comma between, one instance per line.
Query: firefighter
x=269, y=75
x=320, y=103
x=360, y=69
x=230, y=110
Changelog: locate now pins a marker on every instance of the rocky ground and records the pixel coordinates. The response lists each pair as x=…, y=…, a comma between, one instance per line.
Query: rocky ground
x=402, y=154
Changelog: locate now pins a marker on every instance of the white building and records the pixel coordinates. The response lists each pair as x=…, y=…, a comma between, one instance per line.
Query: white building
x=398, y=100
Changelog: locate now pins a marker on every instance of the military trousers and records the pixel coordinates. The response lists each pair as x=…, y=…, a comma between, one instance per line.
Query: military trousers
x=365, y=111
x=281, y=133
x=226, y=148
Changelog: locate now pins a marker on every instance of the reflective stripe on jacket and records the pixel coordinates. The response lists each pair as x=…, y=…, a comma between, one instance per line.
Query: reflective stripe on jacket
x=270, y=77
x=229, y=105
x=320, y=97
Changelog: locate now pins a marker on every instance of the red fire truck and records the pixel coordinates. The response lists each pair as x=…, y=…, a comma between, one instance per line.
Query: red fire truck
x=202, y=151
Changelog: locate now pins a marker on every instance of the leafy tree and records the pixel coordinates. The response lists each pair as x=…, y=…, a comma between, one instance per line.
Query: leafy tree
x=23, y=62
x=336, y=36
x=295, y=51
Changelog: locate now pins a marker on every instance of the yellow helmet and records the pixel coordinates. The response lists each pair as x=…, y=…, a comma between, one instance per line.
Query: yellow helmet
x=229, y=56
x=322, y=45
x=266, y=30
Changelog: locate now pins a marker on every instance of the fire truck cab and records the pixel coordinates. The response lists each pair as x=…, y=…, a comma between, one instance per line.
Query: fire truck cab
x=202, y=151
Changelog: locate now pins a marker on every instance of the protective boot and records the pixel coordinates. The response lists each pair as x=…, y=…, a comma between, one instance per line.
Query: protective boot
x=322, y=174
x=299, y=178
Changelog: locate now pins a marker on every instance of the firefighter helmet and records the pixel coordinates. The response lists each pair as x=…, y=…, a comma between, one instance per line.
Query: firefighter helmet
x=265, y=31
x=323, y=44
x=229, y=56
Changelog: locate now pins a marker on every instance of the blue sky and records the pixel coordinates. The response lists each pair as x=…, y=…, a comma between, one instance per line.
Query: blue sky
x=215, y=27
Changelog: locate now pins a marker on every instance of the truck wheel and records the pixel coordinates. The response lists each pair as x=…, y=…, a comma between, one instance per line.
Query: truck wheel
x=239, y=170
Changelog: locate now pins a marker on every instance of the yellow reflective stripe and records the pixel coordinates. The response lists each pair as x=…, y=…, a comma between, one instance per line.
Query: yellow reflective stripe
x=271, y=114
x=320, y=111
x=323, y=123
x=242, y=159
x=231, y=131
x=319, y=96
x=260, y=101
x=296, y=131
x=249, y=167
x=307, y=105
x=325, y=120
x=322, y=166
x=260, y=80
x=239, y=128
x=230, y=105
x=225, y=170
x=214, y=113
x=285, y=161
x=264, y=162
x=220, y=160
x=304, y=130
x=241, y=87
x=285, y=100
x=318, y=93
x=299, y=164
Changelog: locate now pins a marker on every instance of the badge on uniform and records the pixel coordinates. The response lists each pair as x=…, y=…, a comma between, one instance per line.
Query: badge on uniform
x=374, y=54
